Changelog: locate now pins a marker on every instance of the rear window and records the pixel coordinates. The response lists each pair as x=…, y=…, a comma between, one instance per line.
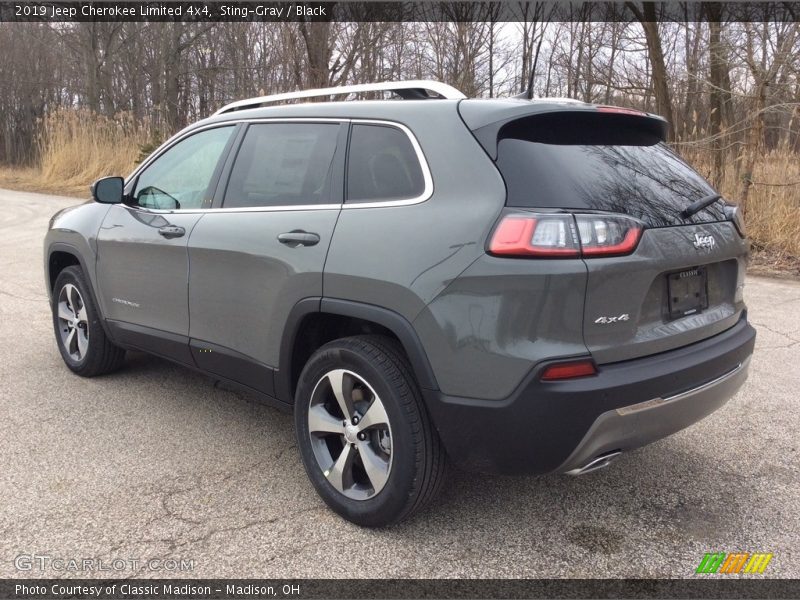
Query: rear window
x=382, y=165
x=599, y=162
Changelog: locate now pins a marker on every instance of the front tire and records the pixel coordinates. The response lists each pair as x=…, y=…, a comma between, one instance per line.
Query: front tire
x=81, y=339
x=363, y=432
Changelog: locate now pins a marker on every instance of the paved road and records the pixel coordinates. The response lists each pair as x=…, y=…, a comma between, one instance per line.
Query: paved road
x=157, y=462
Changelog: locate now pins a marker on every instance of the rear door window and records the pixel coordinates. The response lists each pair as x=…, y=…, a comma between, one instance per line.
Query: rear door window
x=382, y=165
x=283, y=164
x=599, y=163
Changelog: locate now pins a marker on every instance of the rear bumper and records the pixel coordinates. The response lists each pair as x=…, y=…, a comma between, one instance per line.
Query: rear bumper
x=639, y=424
x=560, y=426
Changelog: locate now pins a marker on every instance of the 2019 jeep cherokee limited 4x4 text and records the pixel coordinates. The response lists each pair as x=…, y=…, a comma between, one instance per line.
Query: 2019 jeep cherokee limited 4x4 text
x=514, y=286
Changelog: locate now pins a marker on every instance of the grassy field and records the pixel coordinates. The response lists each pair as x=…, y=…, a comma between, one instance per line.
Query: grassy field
x=77, y=147
x=773, y=206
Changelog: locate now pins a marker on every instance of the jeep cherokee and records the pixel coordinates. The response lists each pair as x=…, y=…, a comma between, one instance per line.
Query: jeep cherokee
x=509, y=285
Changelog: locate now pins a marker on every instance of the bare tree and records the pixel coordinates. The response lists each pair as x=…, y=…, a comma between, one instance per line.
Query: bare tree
x=768, y=50
x=731, y=88
x=646, y=15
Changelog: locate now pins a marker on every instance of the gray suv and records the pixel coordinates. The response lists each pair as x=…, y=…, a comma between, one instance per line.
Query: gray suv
x=507, y=285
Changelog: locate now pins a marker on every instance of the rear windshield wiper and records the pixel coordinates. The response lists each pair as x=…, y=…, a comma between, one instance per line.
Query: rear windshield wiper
x=697, y=206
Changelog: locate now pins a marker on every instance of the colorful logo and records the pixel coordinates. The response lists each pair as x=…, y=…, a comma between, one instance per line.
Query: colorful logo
x=734, y=562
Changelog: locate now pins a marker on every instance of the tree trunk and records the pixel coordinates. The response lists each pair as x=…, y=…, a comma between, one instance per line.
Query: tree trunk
x=647, y=18
x=92, y=67
x=172, y=62
x=755, y=136
x=719, y=95
x=716, y=101
x=316, y=36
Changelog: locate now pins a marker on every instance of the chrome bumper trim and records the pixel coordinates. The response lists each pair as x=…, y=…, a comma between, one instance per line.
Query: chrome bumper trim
x=654, y=402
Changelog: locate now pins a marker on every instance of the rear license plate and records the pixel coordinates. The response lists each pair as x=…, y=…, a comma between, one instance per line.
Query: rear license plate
x=688, y=292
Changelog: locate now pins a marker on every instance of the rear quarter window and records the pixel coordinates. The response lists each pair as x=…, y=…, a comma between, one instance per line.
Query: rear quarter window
x=382, y=165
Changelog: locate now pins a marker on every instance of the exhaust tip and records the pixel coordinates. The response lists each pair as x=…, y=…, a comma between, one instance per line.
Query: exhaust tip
x=597, y=463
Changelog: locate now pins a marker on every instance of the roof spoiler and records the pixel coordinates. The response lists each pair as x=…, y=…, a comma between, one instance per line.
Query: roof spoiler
x=558, y=112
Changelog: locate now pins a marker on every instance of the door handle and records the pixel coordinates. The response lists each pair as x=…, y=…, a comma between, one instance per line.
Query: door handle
x=298, y=237
x=172, y=231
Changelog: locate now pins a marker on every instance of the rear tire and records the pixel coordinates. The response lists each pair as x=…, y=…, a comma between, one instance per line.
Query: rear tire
x=80, y=337
x=383, y=462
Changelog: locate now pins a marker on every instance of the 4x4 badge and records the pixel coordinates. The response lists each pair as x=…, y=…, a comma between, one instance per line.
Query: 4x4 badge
x=704, y=241
x=606, y=320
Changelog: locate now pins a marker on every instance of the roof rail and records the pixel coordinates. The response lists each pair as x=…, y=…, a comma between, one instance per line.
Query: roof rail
x=408, y=90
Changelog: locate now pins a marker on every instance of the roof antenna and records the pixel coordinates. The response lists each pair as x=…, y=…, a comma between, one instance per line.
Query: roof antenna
x=528, y=93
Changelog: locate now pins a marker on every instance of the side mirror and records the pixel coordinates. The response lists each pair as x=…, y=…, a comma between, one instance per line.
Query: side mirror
x=108, y=190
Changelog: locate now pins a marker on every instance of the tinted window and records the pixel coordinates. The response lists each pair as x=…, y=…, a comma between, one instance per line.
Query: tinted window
x=283, y=164
x=382, y=165
x=179, y=177
x=621, y=169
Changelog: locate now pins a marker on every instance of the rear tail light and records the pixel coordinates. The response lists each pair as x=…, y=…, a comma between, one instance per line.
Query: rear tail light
x=604, y=236
x=534, y=236
x=569, y=370
x=565, y=235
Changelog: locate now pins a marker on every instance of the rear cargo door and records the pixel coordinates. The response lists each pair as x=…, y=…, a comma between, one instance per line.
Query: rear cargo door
x=683, y=281
x=670, y=292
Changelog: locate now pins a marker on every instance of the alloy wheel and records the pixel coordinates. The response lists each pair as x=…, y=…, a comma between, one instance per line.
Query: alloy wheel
x=350, y=434
x=73, y=326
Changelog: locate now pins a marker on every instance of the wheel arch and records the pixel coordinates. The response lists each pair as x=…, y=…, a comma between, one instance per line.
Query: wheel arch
x=61, y=255
x=312, y=322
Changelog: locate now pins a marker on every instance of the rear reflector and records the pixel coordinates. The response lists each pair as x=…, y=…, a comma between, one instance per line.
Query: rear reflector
x=560, y=235
x=569, y=370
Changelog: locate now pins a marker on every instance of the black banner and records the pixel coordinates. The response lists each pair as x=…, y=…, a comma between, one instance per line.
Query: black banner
x=703, y=587
x=497, y=11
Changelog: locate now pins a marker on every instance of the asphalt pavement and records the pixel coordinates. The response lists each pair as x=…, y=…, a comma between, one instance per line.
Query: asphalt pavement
x=157, y=463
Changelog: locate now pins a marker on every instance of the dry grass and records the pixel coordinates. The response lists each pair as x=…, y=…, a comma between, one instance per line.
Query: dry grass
x=773, y=205
x=27, y=179
x=77, y=147
x=773, y=208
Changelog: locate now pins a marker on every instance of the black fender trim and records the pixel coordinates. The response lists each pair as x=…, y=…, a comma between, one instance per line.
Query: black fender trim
x=89, y=275
x=283, y=375
x=393, y=321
